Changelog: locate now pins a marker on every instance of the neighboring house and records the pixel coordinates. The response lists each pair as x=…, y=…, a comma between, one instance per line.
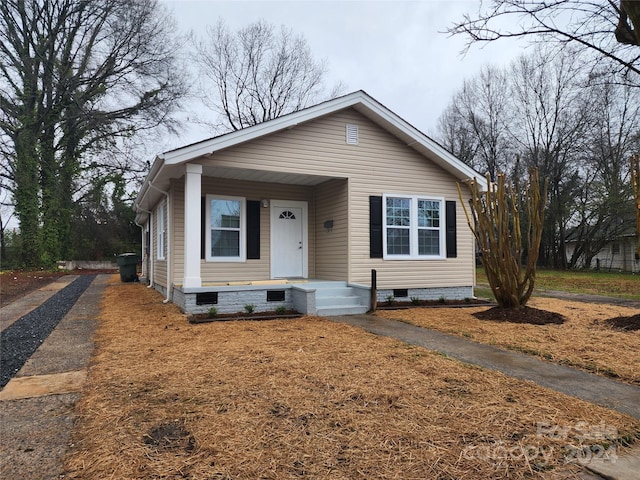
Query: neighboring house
x=298, y=211
x=619, y=254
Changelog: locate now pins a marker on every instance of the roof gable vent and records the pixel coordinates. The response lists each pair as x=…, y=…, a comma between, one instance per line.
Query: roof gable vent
x=352, y=134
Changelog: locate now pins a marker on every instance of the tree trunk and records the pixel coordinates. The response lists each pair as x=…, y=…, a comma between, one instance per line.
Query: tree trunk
x=632, y=9
x=27, y=204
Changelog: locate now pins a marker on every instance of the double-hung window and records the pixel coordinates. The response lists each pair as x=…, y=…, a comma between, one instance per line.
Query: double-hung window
x=161, y=230
x=226, y=226
x=413, y=227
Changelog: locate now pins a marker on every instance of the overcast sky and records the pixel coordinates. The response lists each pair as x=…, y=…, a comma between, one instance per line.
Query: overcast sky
x=396, y=51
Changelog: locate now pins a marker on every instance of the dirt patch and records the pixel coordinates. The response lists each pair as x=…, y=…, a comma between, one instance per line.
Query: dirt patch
x=312, y=398
x=170, y=436
x=396, y=304
x=631, y=323
x=585, y=340
x=533, y=316
x=17, y=283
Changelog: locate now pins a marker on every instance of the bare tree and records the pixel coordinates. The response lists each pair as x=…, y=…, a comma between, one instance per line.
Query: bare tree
x=76, y=76
x=578, y=130
x=604, y=211
x=474, y=125
x=257, y=74
x=611, y=30
x=549, y=132
x=635, y=184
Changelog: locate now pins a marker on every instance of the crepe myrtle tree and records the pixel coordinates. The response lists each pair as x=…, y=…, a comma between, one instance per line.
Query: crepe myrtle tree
x=507, y=228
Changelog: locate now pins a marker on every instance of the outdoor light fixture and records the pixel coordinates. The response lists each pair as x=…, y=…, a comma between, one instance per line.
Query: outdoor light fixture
x=328, y=225
x=265, y=203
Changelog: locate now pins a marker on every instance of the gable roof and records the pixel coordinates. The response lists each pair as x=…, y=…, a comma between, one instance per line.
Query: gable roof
x=359, y=101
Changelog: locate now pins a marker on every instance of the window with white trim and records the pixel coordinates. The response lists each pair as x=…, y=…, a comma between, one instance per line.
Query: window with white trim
x=161, y=230
x=226, y=224
x=413, y=227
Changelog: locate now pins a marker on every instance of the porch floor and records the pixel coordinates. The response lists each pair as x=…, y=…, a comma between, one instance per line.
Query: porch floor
x=277, y=281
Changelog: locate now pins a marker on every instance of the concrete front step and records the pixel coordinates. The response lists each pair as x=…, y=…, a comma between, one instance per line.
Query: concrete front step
x=338, y=299
x=334, y=291
x=341, y=310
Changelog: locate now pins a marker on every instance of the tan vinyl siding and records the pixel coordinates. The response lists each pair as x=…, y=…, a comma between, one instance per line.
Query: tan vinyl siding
x=380, y=163
x=258, y=269
x=332, y=252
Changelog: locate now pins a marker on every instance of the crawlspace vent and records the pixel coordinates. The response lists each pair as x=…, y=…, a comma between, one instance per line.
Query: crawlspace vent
x=352, y=134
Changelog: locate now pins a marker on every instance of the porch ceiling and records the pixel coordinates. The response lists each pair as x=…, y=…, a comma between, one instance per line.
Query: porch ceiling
x=264, y=176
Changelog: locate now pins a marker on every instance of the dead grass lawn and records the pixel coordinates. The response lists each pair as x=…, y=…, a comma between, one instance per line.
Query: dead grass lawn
x=308, y=398
x=584, y=340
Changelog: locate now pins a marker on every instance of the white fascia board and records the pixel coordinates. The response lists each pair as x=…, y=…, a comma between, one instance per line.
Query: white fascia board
x=465, y=172
x=208, y=147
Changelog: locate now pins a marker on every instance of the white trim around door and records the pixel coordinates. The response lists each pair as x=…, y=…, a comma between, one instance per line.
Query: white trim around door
x=289, y=239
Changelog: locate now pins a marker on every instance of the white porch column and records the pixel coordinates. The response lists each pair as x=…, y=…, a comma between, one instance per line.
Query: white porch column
x=192, y=220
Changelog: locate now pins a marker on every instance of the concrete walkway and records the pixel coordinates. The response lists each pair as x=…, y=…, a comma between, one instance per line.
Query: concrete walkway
x=585, y=297
x=609, y=393
x=37, y=405
x=580, y=297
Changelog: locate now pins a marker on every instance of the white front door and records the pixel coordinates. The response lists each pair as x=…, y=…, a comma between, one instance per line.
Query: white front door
x=288, y=239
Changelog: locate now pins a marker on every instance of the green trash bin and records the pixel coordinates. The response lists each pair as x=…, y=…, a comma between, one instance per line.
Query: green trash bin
x=128, y=263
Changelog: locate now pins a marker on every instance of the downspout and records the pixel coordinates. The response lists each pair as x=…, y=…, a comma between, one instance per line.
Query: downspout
x=150, y=246
x=168, y=239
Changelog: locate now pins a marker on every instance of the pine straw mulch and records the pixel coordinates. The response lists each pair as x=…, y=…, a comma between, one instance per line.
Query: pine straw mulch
x=309, y=398
x=587, y=339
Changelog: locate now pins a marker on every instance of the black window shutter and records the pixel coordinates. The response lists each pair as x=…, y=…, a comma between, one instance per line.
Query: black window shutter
x=450, y=227
x=375, y=227
x=253, y=229
x=203, y=226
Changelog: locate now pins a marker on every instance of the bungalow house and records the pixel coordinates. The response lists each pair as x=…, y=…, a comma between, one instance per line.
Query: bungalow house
x=298, y=211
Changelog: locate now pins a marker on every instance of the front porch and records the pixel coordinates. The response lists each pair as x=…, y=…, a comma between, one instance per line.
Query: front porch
x=287, y=225
x=310, y=297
